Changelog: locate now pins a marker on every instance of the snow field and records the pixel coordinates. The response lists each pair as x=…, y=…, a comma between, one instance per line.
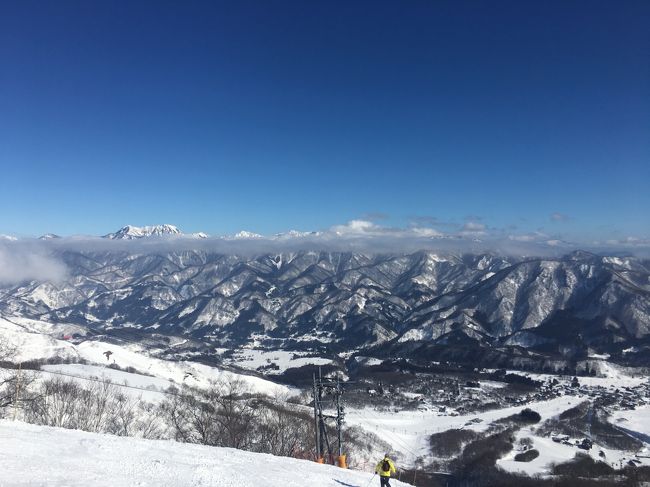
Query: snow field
x=190, y=373
x=408, y=431
x=551, y=452
x=637, y=420
x=613, y=377
x=32, y=342
x=53, y=457
x=253, y=359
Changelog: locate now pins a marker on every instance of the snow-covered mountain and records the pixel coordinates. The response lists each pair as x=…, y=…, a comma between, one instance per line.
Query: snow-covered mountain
x=413, y=305
x=49, y=236
x=130, y=232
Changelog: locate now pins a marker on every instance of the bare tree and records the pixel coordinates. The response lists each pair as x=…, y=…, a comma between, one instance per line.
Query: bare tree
x=123, y=415
x=58, y=404
x=191, y=419
x=8, y=377
x=281, y=431
x=99, y=407
x=150, y=423
x=236, y=412
x=94, y=406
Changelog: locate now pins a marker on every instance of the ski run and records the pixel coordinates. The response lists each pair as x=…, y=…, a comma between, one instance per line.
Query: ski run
x=53, y=457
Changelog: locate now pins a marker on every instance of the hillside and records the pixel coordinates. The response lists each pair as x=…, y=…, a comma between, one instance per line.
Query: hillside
x=37, y=455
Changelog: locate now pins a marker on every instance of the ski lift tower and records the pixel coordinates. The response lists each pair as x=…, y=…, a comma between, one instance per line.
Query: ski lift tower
x=334, y=389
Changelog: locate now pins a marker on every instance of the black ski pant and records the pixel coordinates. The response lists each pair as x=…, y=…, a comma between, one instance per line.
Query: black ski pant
x=384, y=481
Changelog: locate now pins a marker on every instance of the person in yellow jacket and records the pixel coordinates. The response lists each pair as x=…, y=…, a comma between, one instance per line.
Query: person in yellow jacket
x=385, y=468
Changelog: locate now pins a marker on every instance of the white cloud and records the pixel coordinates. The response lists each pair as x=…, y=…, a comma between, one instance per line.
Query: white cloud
x=365, y=228
x=522, y=238
x=473, y=229
x=28, y=259
x=426, y=232
x=559, y=217
x=630, y=242
x=357, y=227
x=529, y=237
x=19, y=263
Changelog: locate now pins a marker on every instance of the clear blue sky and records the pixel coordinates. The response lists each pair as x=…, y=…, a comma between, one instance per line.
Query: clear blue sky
x=266, y=116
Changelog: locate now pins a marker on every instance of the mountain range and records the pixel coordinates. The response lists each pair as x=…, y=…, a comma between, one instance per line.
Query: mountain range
x=418, y=305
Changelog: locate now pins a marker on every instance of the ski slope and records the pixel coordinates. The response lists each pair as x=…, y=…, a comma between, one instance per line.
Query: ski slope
x=53, y=457
x=637, y=421
x=35, y=340
x=150, y=389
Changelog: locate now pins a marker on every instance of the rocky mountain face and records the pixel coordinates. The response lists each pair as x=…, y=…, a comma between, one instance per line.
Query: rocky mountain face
x=410, y=305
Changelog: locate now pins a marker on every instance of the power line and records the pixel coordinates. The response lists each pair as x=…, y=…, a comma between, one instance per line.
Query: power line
x=376, y=419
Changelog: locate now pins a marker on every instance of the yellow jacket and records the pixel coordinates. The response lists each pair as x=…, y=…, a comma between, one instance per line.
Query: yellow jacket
x=381, y=472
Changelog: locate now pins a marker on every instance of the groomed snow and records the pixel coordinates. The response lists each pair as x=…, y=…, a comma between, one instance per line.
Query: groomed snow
x=637, y=420
x=43, y=456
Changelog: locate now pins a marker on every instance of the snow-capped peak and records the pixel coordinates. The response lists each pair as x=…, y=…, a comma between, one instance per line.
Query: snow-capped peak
x=131, y=232
x=49, y=236
x=8, y=237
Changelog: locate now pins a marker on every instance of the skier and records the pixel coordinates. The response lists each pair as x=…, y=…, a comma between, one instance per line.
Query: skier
x=384, y=468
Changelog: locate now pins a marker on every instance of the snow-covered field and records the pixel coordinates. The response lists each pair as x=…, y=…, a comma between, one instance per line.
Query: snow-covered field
x=272, y=362
x=551, y=452
x=43, y=456
x=611, y=377
x=637, y=421
x=408, y=432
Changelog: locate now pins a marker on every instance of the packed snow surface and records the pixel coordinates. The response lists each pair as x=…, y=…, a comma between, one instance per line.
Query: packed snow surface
x=44, y=456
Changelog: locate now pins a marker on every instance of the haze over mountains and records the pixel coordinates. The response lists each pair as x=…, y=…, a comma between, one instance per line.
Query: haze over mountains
x=414, y=303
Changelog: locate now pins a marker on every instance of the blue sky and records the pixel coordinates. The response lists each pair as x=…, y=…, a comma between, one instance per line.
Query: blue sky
x=514, y=116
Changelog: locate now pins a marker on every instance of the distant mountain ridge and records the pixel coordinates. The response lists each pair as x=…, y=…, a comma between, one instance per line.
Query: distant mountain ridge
x=131, y=232
x=415, y=304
